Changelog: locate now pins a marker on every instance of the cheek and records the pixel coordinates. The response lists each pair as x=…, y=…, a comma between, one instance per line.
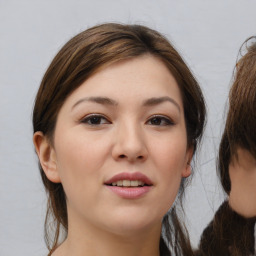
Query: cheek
x=78, y=148
x=79, y=161
x=170, y=154
x=170, y=161
x=79, y=158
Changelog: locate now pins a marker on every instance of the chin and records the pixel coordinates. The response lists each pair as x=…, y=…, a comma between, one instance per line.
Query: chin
x=131, y=222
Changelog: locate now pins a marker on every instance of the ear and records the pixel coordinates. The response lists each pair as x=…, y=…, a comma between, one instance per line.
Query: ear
x=47, y=156
x=187, y=171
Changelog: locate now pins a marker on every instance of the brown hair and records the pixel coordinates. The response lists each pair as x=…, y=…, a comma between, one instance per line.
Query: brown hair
x=80, y=58
x=241, y=118
x=229, y=233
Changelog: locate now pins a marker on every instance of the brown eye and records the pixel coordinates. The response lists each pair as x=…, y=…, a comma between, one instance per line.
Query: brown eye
x=95, y=120
x=160, y=121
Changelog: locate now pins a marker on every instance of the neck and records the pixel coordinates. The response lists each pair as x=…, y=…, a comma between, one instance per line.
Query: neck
x=92, y=241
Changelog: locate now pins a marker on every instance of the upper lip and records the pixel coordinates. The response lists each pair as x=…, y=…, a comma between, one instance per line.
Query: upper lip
x=130, y=176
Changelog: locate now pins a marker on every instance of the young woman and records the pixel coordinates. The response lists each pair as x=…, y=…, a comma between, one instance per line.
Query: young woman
x=232, y=231
x=117, y=119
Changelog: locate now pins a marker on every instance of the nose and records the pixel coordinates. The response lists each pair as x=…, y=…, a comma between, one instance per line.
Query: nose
x=130, y=143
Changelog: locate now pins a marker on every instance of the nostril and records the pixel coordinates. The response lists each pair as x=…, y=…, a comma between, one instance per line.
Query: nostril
x=131, y=158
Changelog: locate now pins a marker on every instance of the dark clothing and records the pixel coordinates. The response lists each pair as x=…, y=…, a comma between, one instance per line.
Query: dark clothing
x=228, y=234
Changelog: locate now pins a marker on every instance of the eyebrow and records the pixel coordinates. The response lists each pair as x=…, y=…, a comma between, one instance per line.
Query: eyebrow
x=156, y=101
x=107, y=101
x=99, y=100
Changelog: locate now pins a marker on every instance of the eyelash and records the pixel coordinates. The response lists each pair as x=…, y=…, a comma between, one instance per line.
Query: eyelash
x=96, y=120
x=167, y=121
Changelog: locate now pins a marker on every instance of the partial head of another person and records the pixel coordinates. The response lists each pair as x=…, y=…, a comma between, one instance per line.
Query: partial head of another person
x=239, y=132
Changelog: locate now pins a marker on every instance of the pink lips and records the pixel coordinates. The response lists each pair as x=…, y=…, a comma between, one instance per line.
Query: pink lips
x=130, y=176
x=130, y=192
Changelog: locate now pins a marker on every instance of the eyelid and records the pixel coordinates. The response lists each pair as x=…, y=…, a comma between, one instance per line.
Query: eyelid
x=86, y=118
x=167, y=119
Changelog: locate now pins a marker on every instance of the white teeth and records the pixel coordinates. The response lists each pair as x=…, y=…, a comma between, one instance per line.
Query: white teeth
x=141, y=183
x=128, y=183
x=134, y=183
x=120, y=183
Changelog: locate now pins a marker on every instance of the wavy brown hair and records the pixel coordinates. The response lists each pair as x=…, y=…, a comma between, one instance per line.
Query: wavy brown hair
x=80, y=58
x=241, y=119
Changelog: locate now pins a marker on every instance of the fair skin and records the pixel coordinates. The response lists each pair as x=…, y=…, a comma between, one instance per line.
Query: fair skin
x=242, y=171
x=126, y=118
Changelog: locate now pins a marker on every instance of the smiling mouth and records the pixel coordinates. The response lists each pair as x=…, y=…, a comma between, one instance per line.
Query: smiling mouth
x=128, y=183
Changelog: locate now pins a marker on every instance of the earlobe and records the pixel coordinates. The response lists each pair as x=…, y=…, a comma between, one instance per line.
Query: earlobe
x=187, y=172
x=47, y=156
x=188, y=169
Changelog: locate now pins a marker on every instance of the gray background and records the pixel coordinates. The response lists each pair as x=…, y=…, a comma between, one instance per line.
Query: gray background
x=207, y=33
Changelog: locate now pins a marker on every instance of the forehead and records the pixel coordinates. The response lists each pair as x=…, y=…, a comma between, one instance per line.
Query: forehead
x=129, y=80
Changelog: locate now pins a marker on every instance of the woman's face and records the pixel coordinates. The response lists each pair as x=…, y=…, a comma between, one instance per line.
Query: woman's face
x=120, y=147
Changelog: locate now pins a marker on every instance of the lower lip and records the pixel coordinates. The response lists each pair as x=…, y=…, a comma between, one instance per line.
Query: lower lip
x=129, y=192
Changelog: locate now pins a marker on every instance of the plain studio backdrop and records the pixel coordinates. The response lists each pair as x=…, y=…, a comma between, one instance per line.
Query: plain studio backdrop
x=208, y=34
